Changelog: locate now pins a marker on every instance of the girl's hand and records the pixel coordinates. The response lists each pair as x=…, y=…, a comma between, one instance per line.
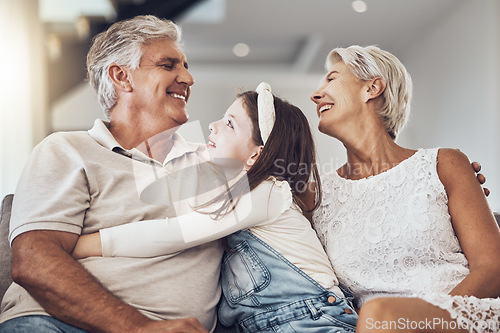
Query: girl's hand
x=88, y=246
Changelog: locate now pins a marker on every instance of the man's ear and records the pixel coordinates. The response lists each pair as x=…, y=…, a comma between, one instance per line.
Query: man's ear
x=120, y=76
x=255, y=156
x=374, y=88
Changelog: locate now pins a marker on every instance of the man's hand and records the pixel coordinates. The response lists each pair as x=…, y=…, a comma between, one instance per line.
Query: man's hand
x=186, y=325
x=480, y=177
x=42, y=264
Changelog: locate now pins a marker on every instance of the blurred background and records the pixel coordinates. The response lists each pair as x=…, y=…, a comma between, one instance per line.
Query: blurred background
x=450, y=47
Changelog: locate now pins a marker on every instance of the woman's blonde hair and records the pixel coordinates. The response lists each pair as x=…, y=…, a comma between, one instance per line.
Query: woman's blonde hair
x=369, y=62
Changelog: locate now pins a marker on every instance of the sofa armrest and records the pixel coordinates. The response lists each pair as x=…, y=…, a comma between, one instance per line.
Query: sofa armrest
x=5, y=252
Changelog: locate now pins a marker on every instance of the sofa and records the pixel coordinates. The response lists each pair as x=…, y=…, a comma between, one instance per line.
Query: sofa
x=5, y=252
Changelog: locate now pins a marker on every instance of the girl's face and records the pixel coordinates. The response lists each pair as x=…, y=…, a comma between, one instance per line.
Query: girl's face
x=231, y=137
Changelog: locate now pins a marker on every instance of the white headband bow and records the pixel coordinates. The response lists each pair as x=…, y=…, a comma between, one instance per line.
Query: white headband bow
x=265, y=105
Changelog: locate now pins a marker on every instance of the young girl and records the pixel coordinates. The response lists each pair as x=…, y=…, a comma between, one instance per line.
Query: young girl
x=275, y=275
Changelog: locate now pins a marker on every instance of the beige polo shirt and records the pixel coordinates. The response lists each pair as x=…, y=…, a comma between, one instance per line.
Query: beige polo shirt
x=80, y=182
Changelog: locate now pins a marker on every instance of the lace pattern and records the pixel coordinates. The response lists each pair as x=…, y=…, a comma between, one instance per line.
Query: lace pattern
x=404, y=240
x=391, y=234
x=471, y=313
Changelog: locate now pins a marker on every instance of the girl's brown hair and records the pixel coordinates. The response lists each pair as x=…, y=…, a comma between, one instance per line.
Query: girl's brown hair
x=289, y=154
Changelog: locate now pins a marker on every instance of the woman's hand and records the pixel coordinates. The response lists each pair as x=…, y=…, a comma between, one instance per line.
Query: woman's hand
x=88, y=246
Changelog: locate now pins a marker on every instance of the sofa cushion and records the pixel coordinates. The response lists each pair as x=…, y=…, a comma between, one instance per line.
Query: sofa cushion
x=5, y=253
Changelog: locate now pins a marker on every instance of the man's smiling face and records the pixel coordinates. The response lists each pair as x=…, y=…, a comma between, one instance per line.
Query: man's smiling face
x=162, y=84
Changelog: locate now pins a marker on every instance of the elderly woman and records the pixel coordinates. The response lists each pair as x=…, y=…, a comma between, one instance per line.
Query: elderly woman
x=426, y=255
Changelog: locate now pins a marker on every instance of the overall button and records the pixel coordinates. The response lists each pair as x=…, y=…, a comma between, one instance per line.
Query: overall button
x=348, y=311
x=331, y=299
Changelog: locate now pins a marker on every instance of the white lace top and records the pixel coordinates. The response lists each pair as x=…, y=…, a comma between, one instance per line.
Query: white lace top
x=391, y=233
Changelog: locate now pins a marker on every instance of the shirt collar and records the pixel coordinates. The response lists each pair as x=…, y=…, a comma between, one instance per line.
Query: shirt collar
x=182, y=147
x=100, y=132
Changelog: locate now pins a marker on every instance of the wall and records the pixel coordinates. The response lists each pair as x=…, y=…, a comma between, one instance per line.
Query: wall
x=456, y=88
x=496, y=110
x=23, y=111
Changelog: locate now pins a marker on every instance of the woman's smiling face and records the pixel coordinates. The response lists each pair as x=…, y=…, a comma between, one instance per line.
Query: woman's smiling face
x=339, y=99
x=231, y=136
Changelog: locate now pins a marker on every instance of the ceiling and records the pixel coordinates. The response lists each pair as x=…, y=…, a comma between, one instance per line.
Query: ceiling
x=299, y=33
x=293, y=35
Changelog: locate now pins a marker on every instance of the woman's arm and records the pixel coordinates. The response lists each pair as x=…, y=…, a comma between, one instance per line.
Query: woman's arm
x=309, y=200
x=474, y=225
x=153, y=238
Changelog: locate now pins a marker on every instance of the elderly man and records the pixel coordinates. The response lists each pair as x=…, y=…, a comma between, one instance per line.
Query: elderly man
x=80, y=182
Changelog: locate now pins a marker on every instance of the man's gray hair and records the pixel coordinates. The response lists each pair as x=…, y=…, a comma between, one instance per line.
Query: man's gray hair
x=122, y=44
x=369, y=62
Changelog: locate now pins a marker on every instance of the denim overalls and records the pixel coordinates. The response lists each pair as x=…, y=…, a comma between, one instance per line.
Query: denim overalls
x=264, y=292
